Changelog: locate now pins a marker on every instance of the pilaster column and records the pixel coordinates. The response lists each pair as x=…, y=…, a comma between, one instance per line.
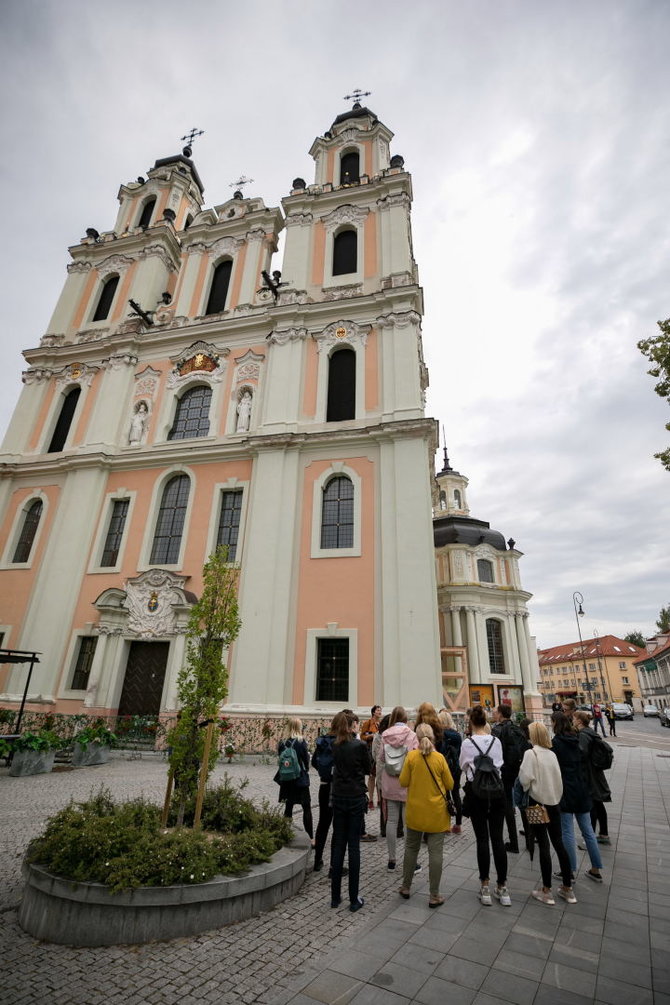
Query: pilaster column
x=473, y=651
x=532, y=656
x=456, y=634
x=176, y=662
x=111, y=675
x=522, y=645
x=91, y=699
x=482, y=646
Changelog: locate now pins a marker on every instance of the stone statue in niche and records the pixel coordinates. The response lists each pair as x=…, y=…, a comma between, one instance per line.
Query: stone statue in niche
x=244, y=412
x=138, y=423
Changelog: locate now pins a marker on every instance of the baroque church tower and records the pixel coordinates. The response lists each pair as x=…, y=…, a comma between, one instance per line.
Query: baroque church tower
x=183, y=397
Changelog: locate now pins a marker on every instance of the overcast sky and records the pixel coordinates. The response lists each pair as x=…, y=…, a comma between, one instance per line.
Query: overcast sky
x=538, y=138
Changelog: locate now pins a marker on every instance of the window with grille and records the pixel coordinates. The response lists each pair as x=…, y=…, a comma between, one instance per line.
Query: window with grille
x=484, y=570
x=82, y=669
x=117, y=523
x=192, y=415
x=337, y=513
x=64, y=421
x=170, y=522
x=31, y=522
x=218, y=291
x=495, y=644
x=229, y=521
x=147, y=213
x=332, y=670
x=345, y=252
x=350, y=168
x=341, y=402
x=105, y=299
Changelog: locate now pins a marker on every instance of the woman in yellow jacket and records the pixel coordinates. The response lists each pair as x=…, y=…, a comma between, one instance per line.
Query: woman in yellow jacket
x=427, y=779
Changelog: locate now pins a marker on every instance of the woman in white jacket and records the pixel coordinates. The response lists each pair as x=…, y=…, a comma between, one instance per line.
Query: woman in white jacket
x=540, y=777
x=398, y=739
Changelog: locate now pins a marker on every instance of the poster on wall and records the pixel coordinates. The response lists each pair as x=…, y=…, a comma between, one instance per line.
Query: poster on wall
x=482, y=694
x=511, y=694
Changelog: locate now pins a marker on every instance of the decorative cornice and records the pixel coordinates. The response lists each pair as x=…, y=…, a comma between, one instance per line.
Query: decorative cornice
x=79, y=267
x=257, y=234
x=344, y=214
x=299, y=220
x=76, y=373
x=115, y=263
x=403, y=320
x=343, y=292
x=208, y=364
x=396, y=199
x=92, y=334
x=37, y=375
x=288, y=297
x=156, y=251
x=341, y=333
x=288, y=335
x=118, y=361
x=50, y=341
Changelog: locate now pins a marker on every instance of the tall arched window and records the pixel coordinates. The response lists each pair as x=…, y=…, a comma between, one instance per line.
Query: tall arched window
x=341, y=386
x=64, y=421
x=350, y=168
x=170, y=522
x=495, y=643
x=337, y=513
x=457, y=499
x=105, y=299
x=31, y=521
x=218, y=291
x=345, y=252
x=147, y=213
x=192, y=415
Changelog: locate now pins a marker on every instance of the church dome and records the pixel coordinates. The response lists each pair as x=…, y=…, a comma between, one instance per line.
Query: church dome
x=466, y=530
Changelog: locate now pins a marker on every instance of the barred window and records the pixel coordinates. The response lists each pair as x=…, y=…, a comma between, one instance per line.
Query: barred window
x=229, y=521
x=337, y=514
x=192, y=415
x=31, y=522
x=117, y=523
x=85, y=654
x=485, y=570
x=332, y=673
x=495, y=643
x=170, y=522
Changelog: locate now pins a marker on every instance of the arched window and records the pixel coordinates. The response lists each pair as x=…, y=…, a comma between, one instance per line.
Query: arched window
x=64, y=421
x=170, y=522
x=147, y=213
x=457, y=499
x=495, y=644
x=192, y=415
x=189, y=221
x=31, y=522
x=218, y=291
x=345, y=252
x=349, y=168
x=337, y=513
x=485, y=571
x=105, y=299
x=341, y=386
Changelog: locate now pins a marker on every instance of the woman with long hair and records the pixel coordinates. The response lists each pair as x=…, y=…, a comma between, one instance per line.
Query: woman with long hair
x=486, y=815
x=576, y=802
x=426, y=713
x=451, y=749
x=540, y=777
x=322, y=760
x=296, y=791
x=426, y=776
x=598, y=786
x=351, y=765
x=395, y=742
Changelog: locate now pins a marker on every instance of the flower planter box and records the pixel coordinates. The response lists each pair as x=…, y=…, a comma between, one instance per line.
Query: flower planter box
x=31, y=762
x=93, y=753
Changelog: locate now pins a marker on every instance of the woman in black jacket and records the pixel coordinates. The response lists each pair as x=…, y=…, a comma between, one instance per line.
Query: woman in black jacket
x=576, y=802
x=351, y=765
x=297, y=791
x=600, y=790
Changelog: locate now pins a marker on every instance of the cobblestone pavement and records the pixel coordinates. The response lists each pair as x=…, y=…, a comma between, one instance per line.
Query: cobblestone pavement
x=611, y=947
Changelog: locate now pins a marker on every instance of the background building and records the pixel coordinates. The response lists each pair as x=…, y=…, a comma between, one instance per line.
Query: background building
x=284, y=419
x=653, y=671
x=599, y=669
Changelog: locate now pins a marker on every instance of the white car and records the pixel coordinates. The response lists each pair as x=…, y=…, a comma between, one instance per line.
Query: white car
x=649, y=710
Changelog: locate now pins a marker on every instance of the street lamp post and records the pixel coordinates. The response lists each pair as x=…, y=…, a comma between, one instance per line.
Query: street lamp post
x=578, y=600
x=596, y=635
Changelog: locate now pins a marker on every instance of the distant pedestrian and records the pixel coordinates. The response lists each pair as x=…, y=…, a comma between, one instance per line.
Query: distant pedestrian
x=394, y=744
x=597, y=711
x=295, y=791
x=369, y=728
x=611, y=719
x=351, y=765
x=576, y=801
x=599, y=788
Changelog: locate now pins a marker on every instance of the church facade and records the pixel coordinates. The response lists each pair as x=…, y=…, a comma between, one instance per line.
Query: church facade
x=184, y=397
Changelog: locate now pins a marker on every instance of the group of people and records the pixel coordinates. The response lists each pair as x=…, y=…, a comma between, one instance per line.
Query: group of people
x=417, y=773
x=598, y=714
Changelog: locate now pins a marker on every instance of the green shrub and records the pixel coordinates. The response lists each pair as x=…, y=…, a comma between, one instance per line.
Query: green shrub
x=45, y=739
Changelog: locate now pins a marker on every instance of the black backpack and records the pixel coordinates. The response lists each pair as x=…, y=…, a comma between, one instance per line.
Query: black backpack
x=514, y=745
x=486, y=782
x=451, y=757
x=322, y=758
x=602, y=755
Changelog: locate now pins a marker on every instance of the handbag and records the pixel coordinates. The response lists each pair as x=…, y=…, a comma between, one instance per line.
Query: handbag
x=536, y=814
x=449, y=802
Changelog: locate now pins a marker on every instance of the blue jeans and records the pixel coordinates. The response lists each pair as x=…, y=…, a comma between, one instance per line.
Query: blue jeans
x=568, y=833
x=599, y=722
x=348, y=814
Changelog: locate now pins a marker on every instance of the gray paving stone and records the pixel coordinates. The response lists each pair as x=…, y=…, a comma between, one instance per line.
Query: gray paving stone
x=529, y=944
x=439, y=992
x=331, y=987
x=400, y=979
x=661, y=980
x=510, y=987
x=614, y=992
x=573, y=956
x=475, y=950
x=421, y=958
x=465, y=973
x=567, y=978
x=618, y=950
x=520, y=963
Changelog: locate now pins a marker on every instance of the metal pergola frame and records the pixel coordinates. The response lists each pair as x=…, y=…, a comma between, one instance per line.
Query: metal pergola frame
x=21, y=656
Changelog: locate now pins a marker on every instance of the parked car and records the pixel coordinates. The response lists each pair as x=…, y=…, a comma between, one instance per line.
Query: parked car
x=664, y=716
x=622, y=710
x=648, y=710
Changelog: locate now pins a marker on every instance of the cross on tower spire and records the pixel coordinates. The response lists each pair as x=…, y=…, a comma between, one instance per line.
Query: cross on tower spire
x=190, y=136
x=239, y=185
x=356, y=96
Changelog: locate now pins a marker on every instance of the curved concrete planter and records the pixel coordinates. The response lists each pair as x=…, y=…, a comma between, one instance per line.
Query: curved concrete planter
x=93, y=753
x=31, y=762
x=87, y=914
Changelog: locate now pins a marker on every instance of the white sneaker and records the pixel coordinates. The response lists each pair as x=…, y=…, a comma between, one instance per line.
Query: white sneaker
x=485, y=896
x=503, y=896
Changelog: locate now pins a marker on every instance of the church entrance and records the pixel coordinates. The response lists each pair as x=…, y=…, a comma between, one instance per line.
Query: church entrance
x=145, y=675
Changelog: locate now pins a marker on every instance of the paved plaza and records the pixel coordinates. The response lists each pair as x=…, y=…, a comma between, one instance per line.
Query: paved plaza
x=612, y=947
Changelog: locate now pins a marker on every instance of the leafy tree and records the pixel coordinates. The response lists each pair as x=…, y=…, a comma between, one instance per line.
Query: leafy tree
x=663, y=623
x=636, y=638
x=657, y=351
x=203, y=680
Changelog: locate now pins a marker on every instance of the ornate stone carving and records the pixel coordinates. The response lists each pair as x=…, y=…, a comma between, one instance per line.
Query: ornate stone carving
x=79, y=267
x=138, y=423
x=343, y=292
x=287, y=297
x=163, y=315
x=403, y=320
x=180, y=321
x=351, y=133
x=49, y=341
x=156, y=251
x=397, y=199
x=299, y=220
x=36, y=375
x=248, y=367
x=197, y=248
x=225, y=246
x=257, y=234
x=92, y=334
x=345, y=214
x=202, y=359
x=147, y=381
x=76, y=373
x=115, y=263
x=397, y=279
x=243, y=409
x=288, y=335
x=150, y=600
x=341, y=333
x=120, y=360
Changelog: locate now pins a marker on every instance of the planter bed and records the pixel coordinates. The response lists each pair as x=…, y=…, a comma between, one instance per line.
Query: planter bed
x=93, y=753
x=87, y=914
x=31, y=762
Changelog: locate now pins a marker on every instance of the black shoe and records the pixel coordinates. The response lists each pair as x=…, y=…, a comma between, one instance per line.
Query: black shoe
x=318, y=866
x=336, y=901
x=357, y=905
x=509, y=847
x=391, y=866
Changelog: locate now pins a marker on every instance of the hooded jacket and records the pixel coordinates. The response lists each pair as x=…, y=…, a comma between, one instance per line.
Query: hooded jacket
x=576, y=793
x=399, y=735
x=598, y=786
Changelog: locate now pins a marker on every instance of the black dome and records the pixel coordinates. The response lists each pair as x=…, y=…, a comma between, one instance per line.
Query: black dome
x=466, y=530
x=356, y=112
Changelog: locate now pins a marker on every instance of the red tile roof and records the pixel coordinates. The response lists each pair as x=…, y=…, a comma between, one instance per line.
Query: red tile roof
x=606, y=645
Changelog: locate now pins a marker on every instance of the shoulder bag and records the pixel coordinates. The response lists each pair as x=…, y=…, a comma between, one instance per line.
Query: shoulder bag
x=448, y=801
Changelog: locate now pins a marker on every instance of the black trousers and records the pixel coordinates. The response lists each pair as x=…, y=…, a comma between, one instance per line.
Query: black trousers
x=456, y=796
x=301, y=797
x=510, y=815
x=544, y=833
x=325, y=819
x=487, y=819
x=348, y=813
x=599, y=816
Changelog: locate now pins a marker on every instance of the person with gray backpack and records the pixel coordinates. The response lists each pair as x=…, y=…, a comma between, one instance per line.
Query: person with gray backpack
x=481, y=761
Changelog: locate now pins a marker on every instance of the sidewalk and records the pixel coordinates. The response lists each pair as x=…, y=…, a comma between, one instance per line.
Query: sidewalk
x=614, y=946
